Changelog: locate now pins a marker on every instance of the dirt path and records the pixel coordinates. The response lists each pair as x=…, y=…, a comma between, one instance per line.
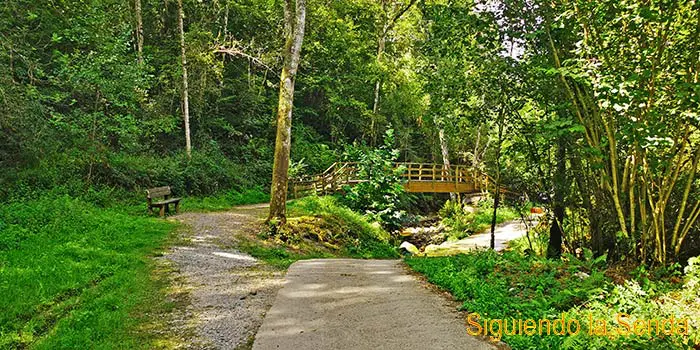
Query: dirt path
x=229, y=291
x=361, y=304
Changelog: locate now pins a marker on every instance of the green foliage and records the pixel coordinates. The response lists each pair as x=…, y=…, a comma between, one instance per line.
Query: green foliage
x=464, y=220
x=82, y=112
x=209, y=172
x=76, y=276
x=539, y=239
x=506, y=286
x=633, y=301
x=319, y=227
x=381, y=191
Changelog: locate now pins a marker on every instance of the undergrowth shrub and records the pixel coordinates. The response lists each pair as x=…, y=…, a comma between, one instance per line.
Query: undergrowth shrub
x=208, y=172
x=381, y=194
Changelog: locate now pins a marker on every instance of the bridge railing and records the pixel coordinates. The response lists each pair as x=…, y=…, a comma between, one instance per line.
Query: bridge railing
x=340, y=174
x=438, y=173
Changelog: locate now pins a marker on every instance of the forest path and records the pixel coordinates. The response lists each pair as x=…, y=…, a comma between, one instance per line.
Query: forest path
x=503, y=233
x=229, y=291
x=361, y=304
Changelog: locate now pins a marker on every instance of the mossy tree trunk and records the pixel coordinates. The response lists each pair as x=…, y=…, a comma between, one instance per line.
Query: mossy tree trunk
x=294, y=23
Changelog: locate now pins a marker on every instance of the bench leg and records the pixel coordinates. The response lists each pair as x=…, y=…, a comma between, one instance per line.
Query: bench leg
x=177, y=207
x=162, y=211
x=167, y=208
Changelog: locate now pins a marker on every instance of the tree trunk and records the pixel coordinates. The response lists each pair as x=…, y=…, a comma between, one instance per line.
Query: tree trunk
x=496, y=202
x=139, y=31
x=294, y=32
x=497, y=191
x=185, y=89
x=375, y=107
x=445, y=155
x=556, y=231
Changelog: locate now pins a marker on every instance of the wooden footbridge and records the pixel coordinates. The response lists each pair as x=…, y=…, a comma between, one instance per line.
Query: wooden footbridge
x=418, y=177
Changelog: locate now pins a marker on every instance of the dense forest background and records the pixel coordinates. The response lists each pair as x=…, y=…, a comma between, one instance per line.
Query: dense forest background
x=78, y=107
x=590, y=107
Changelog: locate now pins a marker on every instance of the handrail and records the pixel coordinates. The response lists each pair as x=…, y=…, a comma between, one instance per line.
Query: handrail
x=339, y=174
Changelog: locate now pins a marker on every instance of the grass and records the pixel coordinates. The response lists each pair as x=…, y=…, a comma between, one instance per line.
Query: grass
x=73, y=275
x=325, y=219
x=79, y=273
x=354, y=223
x=511, y=286
x=226, y=200
x=280, y=256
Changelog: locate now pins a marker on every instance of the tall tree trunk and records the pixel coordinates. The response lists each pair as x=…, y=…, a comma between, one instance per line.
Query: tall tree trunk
x=375, y=107
x=597, y=239
x=294, y=24
x=445, y=154
x=139, y=30
x=497, y=190
x=556, y=232
x=185, y=89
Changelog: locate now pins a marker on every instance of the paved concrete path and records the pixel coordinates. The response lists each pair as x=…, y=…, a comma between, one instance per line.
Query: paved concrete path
x=360, y=304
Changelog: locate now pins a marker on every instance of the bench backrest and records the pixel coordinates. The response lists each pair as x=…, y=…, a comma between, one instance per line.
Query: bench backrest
x=158, y=192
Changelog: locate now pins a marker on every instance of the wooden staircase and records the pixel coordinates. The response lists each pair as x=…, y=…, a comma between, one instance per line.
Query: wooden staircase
x=418, y=177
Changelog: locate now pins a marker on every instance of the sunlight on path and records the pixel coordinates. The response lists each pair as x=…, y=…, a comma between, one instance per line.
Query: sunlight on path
x=361, y=304
x=504, y=233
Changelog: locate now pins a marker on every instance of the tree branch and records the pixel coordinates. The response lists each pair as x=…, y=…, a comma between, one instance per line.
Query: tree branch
x=398, y=15
x=232, y=51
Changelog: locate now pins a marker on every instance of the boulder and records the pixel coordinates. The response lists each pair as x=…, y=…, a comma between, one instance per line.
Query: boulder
x=407, y=248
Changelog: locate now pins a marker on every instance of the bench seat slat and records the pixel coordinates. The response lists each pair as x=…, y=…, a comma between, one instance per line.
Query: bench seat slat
x=167, y=201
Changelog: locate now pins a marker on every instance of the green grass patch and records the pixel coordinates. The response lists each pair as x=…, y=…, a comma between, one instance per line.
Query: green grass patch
x=319, y=228
x=511, y=286
x=281, y=256
x=356, y=224
x=325, y=220
x=73, y=275
x=226, y=200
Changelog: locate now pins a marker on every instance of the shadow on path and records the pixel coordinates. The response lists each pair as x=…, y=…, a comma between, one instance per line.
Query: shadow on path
x=360, y=304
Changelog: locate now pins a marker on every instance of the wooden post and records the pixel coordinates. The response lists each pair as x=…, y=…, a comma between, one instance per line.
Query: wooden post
x=456, y=176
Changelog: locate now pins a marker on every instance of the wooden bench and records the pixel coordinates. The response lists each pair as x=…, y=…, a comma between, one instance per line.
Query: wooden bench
x=164, y=192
